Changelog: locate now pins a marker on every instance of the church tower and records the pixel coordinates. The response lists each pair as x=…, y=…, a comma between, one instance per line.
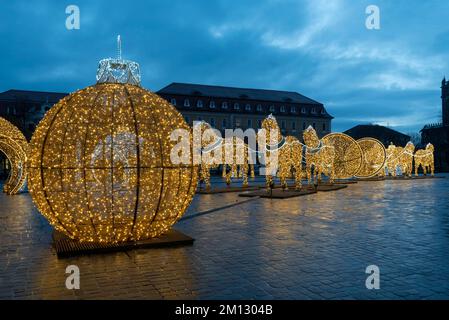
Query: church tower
x=445, y=101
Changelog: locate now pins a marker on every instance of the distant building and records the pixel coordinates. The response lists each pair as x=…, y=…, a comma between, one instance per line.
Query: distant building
x=222, y=107
x=25, y=109
x=228, y=107
x=381, y=133
x=438, y=133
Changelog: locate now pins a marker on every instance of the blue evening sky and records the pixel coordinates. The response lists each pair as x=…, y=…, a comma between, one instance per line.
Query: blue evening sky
x=319, y=48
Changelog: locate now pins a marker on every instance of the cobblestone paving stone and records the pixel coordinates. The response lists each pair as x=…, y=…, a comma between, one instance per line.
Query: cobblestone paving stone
x=313, y=247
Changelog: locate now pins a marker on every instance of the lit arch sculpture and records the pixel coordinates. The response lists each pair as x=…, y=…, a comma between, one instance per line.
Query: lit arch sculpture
x=14, y=146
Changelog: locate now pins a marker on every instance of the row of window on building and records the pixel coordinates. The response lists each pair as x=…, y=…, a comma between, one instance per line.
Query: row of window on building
x=249, y=123
x=236, y=106
x=10, y=110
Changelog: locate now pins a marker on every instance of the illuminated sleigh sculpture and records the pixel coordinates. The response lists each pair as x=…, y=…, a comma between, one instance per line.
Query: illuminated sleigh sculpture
x=282, y=155
x=425, y=160
x=14, y=146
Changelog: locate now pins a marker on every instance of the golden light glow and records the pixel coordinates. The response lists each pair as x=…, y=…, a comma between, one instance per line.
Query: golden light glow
x=14, y=146
x=392, y=159
x=348, y=154
x=100, y=168
x=425, y=160
x=271, y=127
x=400, y=157
x=231, y=153
x=238, y=167
x=320, y=157
x=290, y=162
x=374, y=157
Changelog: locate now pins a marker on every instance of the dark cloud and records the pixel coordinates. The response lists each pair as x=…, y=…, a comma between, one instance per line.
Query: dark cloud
x=319, y=48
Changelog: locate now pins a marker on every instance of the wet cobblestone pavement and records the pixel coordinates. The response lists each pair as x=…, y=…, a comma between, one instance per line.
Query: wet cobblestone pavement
x=313, y=247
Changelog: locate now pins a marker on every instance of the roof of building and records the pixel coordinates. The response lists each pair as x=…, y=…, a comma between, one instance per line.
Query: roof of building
x=375, y=131
x=236, y=93
x=32, y=96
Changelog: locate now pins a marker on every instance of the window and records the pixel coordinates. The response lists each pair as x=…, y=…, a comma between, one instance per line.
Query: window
x=237, y=122
x=248, y=107
x=173, y=101
x=249, y=123
x=187, y=119
x=324, y=127
x=272, y=108
x=259, y=107
x=293, y=110
x=212, y=122
x=236, y=106
x=303, y=126
x=186, y=103
x=313, y=110
x=223, y=124
x=212, y=105
x=293, y=125
x=282, y=108
x=259, y=123
x=314, y=125
x=199, y=103
x=323, y=111
x=283, y=124
x=303, y=110
x=224, y=105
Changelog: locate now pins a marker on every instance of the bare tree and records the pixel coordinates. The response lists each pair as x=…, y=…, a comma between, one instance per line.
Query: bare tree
x=415, y=137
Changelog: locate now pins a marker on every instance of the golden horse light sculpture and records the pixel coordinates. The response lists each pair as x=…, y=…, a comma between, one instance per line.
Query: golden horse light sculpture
x=406, y=159
x=203, y=141
x=392, y=160
x=425, y=160
x=272, y=138
x=14, y=146
x=318, y=156
x=232, y=153
x=282, y=155
x=239, y=166
x=401, y=157
x=291, y=154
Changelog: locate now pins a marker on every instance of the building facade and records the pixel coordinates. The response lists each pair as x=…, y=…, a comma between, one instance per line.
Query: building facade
x=230, y=108
x=222, y=107
x=438, y=133
x=25, y=109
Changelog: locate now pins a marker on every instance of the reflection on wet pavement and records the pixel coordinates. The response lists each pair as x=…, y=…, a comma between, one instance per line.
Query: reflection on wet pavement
x=314, y=247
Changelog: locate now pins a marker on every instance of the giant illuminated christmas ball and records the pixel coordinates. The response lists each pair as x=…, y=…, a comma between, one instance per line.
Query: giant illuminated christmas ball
x=100, y=165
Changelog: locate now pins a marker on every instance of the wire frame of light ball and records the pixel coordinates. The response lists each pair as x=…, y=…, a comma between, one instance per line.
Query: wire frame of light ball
x=100, y=168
